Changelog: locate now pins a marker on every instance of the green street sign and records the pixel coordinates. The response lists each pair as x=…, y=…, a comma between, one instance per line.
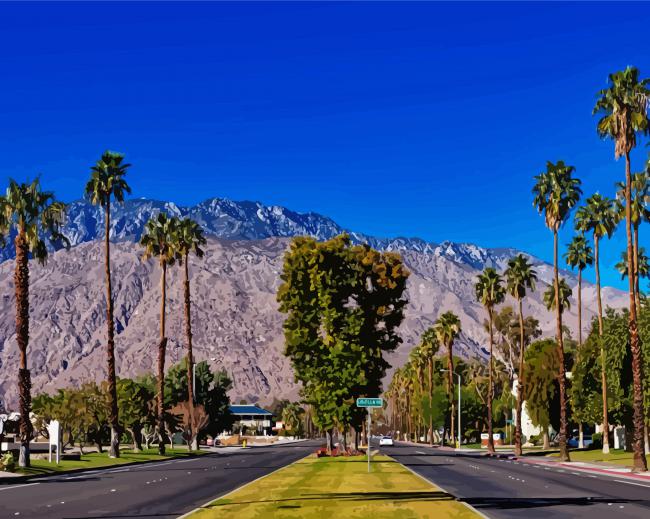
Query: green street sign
x=370, y=402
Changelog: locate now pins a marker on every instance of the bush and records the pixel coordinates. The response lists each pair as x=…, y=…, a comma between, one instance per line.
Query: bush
x=597, y=439
x=536, y=439
x=7, y=462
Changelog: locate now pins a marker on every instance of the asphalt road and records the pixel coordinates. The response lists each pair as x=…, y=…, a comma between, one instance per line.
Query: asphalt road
x=162, y=489
x=505, y=488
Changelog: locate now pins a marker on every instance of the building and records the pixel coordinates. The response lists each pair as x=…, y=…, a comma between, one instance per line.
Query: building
x=250, y=419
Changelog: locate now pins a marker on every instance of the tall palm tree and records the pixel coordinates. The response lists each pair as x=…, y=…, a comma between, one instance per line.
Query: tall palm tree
x=447, y=328
x=643, y=266
x=556, y=192
x=189, y=239
x=623, y=110
x=640, y=214
x=159, y=241
x=598, y=216
x=490, y=292
x=520, y=276
x=429, y=345
x=579, y=255
x=106, y=181
x=34, y=215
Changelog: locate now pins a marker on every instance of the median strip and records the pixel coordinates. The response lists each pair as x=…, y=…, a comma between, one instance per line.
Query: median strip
x=318, y=487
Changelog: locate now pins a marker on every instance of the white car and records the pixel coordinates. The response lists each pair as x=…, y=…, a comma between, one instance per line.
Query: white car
x=386, y=440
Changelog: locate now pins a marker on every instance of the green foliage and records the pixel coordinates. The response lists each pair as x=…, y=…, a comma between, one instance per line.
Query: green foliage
x=292, y=415
x=565, y=294
x=542, y=392
x=7, y=462
x=556, y=192
x=344, y=304
x=107, y=179
x=579, y=253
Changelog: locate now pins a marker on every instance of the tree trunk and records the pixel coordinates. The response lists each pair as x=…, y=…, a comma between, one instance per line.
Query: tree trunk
x=637, y=293
x=21, y=285
x=113, y=417
x=564, y=452
x=430, y=402
x=490, y=445
x=190, y=358
x=579, y=307
x=450, y=387
x=520, y=383
x=547, y=443
x=162, y=346
x=330, y=441
x=640, y=463
x=603, y=360
x=581, y=437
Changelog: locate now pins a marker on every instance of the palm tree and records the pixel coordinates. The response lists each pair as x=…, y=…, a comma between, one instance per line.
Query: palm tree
x=598, y=215
x=34, y=215
x=189, y=239
x=643, y=265
x=623, y=109
x=556, y=192
x=579, y=255
x=158, y=241
x=490, y=292
x=447, y=328
x=429, y=345
x=520, y=276
x=640, y=214
x=550, y=296
x=106, y=181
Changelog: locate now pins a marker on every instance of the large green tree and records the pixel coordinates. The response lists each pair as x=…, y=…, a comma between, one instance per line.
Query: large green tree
x=158, y=242
x=520, y=277
x=556, y=192
x=623, y=113
x=343, y=305
x=34, y=216
x=106, y=183
x=490, y=292
x=447, y=327
x=189, y=239
x=598, y=216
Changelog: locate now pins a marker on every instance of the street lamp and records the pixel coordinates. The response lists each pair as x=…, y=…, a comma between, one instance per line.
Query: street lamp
x=459, y=384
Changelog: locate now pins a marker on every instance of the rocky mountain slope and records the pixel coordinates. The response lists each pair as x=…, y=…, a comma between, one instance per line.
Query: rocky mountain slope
x=236, y=321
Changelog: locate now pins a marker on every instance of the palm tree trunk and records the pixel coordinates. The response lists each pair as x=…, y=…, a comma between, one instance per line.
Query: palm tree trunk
x=190, y=358
x=430, y=402
x=579, y=307
x=603, y=373
x=113, y=418
x=640, y=463
x=520, y=384
x=162, y=346
x=490, y=445
x=21, y=285
x=450, y=387
x=637, y=294
x=564, y=452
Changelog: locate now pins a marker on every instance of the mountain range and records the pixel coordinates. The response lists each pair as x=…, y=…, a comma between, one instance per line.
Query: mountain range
x=236, y=322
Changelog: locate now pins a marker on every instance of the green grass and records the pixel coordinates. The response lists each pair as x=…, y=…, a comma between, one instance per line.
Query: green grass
x=615, y=457
x=313, y=488
x=95, y=460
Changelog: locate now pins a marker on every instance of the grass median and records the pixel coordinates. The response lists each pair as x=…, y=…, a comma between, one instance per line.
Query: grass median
x=94, y=460
x=313, y=488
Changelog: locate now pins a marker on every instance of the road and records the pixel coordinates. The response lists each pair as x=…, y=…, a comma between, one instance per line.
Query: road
x=162, y=489
x=502, y=488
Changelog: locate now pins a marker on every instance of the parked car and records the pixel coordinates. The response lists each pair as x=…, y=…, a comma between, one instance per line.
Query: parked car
x=386, y=440
x=575, y=441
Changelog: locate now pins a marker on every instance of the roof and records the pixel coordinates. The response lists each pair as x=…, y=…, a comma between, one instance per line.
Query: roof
x=249, y=410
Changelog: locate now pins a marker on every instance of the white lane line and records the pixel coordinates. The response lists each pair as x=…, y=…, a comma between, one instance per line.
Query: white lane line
x=420, y=452
x=18, y=486
x=632, y=483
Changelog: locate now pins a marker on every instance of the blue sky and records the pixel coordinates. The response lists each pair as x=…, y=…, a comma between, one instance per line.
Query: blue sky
x=414, y=119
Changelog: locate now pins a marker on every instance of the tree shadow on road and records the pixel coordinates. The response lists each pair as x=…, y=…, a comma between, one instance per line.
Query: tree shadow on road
x=509, y=503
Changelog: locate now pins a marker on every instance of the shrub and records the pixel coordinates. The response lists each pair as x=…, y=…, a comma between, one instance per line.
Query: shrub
x=7, y=462
x=536, y=439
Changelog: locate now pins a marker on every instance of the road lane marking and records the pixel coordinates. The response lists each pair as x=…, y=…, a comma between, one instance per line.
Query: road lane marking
x=19, y=486
x=420, y=452
x=632, y=483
